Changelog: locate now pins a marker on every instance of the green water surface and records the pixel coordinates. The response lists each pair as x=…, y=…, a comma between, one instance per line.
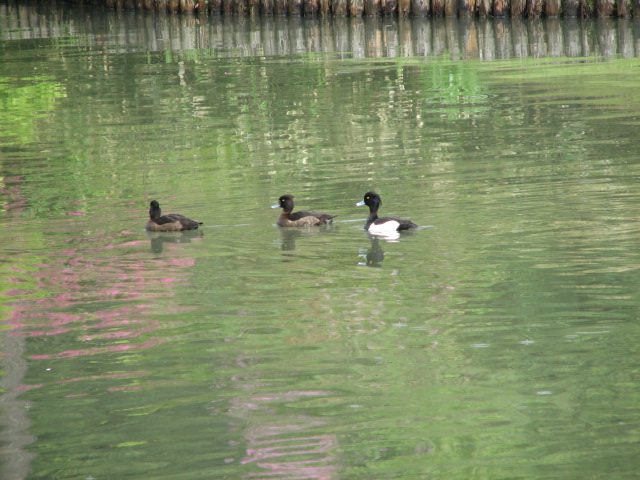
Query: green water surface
x=498, y=341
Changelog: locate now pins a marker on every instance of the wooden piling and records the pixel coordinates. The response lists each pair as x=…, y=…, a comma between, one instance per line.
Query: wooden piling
x=404, y=8
x=484, y=8
x=552, y=8
x=466, y=8
x=437, y=8
x=623, y=8
x=324, y=7
x=570, y=8
x=339, y=8
x=420, y=8
x=372, y=8
x=534, y=8
x=310, y=8
x=501, y=8
x=604, y=8
x=295, y=8
x=266, y=7
x=389, y=7
x=215, y=7
x=280, y=7
x=356, y=8
x=586, y=8
x=518, y=7
x=241, y=7
x=450, y=8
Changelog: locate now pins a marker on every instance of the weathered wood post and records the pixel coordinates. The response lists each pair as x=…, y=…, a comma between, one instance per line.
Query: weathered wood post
x=450, y=8
x=484, y=8
x=254, y=7
x=215, y=7
x=604, y=8
x=570, y=8
x=339, y=8
x=504, y=43
x=501, y=8
x=537, y=44
x=241, y=7
x=487, y=38
x=466, y=8
x=586, y=8
x=404, y=8
x=295, y=8
x=518, y=8
x=389, y=7
x=266, y=7
x=623, y=8
x=372, y=8
x=280, y=7
x=555, y=39
x=439, y=38
x=534, y=8
x=324, y=7
x=420, y=8
x=356, y=8
x=437, y=8
x=467, y=44
x=552, y=8
x=625, y=38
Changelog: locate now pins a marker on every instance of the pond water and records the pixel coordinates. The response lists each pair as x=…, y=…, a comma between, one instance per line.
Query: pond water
x=499, y=340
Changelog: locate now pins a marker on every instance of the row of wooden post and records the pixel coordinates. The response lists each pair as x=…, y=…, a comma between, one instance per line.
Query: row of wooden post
x=498, y=8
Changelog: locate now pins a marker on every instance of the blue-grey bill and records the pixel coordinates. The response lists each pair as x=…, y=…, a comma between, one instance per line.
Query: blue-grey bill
x=277, y=205
x=359, y=204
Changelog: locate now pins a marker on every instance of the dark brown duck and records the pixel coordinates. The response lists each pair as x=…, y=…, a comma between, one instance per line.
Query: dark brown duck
x=299, y=219
x=172, y=222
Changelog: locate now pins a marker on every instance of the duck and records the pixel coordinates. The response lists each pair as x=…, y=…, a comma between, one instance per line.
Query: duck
x=384, y=225
x=173, y=222
x=301, y=218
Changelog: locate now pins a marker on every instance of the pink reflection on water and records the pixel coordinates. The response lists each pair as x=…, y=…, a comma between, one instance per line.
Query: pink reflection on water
x=16, y=292
x=99, y=350
x=80, y=278
x=124, y=388
x=285, y=446
x=24, y=388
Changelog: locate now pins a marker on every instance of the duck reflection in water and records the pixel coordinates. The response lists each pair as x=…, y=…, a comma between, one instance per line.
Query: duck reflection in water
x=374, y=255
x=291, y=234
x=158, y=239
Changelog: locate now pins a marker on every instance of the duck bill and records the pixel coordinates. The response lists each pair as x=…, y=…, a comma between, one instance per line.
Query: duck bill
x=277, y=205
x=360, y=204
